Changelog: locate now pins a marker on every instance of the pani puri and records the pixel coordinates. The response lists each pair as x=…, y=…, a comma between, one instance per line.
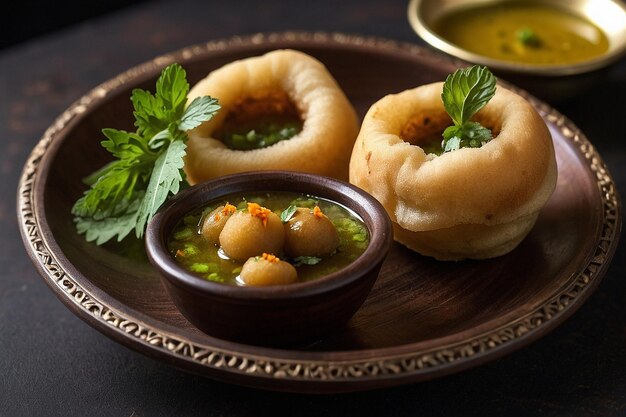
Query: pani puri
x=283, y=84
x=469, y=203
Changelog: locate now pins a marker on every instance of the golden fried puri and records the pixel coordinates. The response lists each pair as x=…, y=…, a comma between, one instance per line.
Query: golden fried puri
x=469, y=203
x=283, y=81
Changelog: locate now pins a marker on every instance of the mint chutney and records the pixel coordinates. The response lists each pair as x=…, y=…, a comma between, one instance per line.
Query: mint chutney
x=207, y=260
x=259, y=122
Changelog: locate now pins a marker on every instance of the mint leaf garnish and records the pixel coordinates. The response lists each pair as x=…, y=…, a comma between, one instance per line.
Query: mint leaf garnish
x=465, y=92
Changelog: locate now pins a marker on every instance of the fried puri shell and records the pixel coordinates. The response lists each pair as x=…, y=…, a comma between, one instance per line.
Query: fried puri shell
x=283, y=81
x=470, y=203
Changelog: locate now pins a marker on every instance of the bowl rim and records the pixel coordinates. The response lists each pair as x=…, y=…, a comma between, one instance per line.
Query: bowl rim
x=363, y=204
x=423, y=30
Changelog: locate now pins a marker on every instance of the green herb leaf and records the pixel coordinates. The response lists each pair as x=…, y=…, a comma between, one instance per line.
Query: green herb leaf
x=126, y=192
x=110, y=194
x=124, y=145
x=165, y=179
x=199, y=111
x=103, y=229
x=470, y=135
x=92, y=178
x=160, y=139
x=465, y=92
x=476, y=134
x=288, y=213
x=452, y=144
x=172, y=88
x=150, y=117
x=306, y=260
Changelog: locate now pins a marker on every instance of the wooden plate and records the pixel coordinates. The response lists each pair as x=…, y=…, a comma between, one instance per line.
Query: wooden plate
x=423, y=319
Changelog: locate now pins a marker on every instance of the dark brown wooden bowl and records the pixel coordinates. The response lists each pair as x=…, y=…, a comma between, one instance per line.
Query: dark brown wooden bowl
x=277, y=315
x=421, y=320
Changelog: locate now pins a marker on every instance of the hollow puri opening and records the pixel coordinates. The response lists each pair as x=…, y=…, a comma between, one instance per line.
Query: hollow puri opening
x=260, y=120
x=426, y=129
x=490, y=121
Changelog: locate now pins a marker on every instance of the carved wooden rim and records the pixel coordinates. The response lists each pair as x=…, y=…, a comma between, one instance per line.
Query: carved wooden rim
x=411, y=366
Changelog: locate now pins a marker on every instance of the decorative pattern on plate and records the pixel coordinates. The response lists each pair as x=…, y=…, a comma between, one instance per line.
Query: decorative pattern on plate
x=410, y=363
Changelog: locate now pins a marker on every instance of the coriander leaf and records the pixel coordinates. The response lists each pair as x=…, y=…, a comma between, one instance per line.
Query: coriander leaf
x=452, y=144
x=150, y=114
x=165, y=179
x=160, y=139
x=102, y=230
x=470, y=135
x=307, y=260
x=106, y=229
x=124, y=145
x=154, y=113
x=199, y=111
x=172, y=88
x=466, y=91
x=288, y=213
x=118, y=179
x=477, y=134
x=126, y=193
x=92, y=178
x=109, y=192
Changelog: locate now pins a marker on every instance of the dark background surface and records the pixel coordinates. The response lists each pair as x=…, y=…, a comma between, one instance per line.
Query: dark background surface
x=53, y=364
x=25, y=20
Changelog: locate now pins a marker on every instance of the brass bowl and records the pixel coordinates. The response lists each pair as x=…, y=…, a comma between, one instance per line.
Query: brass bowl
x=548, y=81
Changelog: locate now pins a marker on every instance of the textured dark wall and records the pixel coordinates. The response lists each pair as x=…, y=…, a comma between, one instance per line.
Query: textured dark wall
x=23, y=20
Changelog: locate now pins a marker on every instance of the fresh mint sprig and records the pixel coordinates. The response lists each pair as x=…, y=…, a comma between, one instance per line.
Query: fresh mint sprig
x=465, y=92
x=126, y=193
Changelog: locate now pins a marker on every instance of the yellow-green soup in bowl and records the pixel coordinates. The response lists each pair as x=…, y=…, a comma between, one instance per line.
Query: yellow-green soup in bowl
x=527, y=33
x=268, y=238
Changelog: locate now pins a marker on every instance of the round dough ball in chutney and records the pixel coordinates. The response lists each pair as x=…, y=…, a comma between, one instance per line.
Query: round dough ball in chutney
x=267, y=270
x=247, y=234
x=310, y=233
x=215, y=221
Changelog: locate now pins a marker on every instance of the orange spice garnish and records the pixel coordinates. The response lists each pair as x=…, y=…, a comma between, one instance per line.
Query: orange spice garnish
x=257, y=211
x=180, y=253
x=270, y=258
x=317, y=212
x=228, y=209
